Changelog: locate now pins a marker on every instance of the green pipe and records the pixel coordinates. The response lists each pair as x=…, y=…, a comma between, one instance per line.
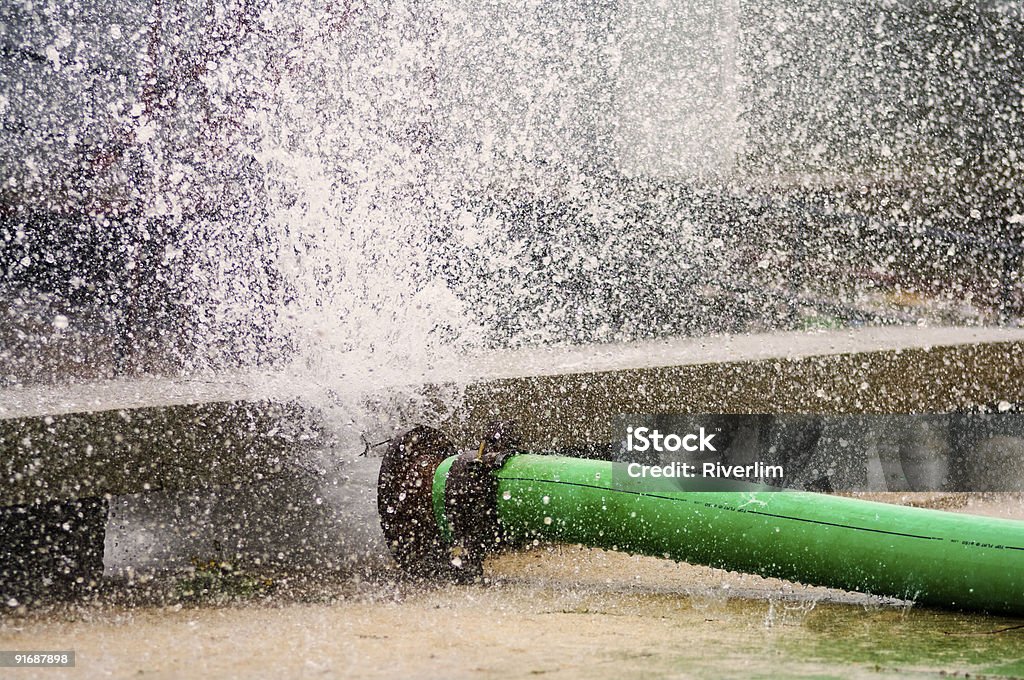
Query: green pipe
x=935, y=558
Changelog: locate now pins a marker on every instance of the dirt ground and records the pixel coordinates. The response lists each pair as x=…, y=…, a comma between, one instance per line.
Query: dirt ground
x=553, y=611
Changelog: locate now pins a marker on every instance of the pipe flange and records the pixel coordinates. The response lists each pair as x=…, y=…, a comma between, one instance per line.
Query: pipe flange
x=405, y=501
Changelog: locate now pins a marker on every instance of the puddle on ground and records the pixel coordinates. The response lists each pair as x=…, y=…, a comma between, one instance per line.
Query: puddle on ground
x=556, y=611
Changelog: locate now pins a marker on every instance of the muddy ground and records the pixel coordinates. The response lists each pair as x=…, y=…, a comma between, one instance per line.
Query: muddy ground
x=553, y=611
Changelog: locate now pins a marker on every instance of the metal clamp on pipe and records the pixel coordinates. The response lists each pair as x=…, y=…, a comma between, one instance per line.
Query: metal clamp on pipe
x=470, y=501
x=455, y=546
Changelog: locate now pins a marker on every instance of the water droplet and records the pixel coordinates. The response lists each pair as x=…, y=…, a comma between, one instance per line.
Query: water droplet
x=507, y=495
x=547, y=520
x=545, y=500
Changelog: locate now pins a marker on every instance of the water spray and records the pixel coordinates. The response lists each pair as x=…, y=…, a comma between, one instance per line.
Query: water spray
x=443, y=512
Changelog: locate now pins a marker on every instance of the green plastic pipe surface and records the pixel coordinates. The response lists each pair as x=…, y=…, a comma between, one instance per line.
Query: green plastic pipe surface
x=932, y=557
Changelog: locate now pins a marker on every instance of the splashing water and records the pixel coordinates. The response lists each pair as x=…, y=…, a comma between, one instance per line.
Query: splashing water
x=355, y=200
x=421, y=207
x=370, y=189
x=362, y=194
